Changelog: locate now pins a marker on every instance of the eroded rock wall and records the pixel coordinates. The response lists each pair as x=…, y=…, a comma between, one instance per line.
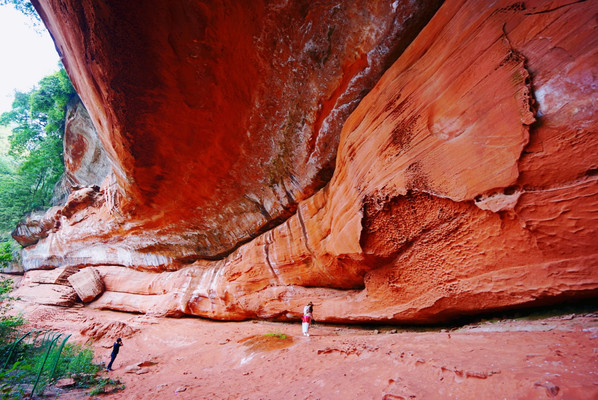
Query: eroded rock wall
x=465, y=182
x=85, y=161
x=220, y=116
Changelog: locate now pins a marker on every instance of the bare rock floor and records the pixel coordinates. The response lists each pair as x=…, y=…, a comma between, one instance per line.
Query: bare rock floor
x=190, y=358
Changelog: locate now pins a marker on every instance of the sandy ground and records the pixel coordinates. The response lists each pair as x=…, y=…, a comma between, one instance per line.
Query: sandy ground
x=192, y=358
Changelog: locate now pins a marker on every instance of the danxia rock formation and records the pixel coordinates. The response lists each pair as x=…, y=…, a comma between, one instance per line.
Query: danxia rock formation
x=219, y=117
x=86, y=163
x=389, y=161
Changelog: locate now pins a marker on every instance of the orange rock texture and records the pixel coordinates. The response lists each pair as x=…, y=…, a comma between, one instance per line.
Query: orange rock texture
x=220, y=116
x=465, y=181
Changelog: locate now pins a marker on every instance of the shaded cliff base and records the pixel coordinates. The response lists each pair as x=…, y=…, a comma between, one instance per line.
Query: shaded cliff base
x=532, y=356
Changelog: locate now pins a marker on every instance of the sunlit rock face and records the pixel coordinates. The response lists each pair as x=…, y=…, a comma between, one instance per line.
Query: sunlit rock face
x=85, y=161
x=219, y=116
x=465, y=182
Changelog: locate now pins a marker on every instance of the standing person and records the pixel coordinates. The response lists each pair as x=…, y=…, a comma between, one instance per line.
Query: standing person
x=307, y=317
x=305, y=322
x=308, y=309
x=115, y=349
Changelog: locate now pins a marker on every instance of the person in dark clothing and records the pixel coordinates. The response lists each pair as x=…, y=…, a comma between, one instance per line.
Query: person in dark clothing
x=115, y=349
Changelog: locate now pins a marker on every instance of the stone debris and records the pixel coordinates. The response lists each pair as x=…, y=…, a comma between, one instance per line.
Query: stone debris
x=132, y=369
x=115, y=329
x=87, y=283
x=57, y=295
x=64, y=383
x=58, y=276
x=140, y=367
x=462, y=373
x=147, y=363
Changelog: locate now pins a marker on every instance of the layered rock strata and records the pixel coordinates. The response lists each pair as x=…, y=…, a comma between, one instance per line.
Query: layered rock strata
x=465, y=182
x=48, y=287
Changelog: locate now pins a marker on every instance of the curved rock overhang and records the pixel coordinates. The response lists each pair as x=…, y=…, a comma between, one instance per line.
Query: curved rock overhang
x=464, y=182
x=220, y=116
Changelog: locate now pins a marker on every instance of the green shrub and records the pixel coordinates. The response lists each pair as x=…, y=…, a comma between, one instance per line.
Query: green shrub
x=9, y=250
x=8, y=390
x=106, y=385
x=5, y=287
x=78, y=360
x=5, y=253
x=74, y=360
x=9, y=324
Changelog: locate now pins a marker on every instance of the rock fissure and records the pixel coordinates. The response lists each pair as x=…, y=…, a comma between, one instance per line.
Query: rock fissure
x=304, y=231
x=267, y=256
x=555, y=8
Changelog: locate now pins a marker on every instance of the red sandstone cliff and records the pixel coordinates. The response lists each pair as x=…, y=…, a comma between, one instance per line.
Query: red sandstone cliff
x=465, y=181
x=220, y=116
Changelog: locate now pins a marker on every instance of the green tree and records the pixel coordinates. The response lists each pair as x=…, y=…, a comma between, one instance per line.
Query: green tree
x=34, y=162
x=9, y=214
x=4, y=134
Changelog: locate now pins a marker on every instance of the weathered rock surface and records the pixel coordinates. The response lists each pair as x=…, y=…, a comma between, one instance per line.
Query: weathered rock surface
x=12, y=268
x=36, y=226
x=87, y=283
x=465, y=181
x=86, y=166
x=58, y=276
x=96, y=331
x=55, y=295
x=220, y=116
x=85, y=161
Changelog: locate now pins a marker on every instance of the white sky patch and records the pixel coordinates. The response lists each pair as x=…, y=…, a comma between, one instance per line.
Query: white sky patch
x=27, y=55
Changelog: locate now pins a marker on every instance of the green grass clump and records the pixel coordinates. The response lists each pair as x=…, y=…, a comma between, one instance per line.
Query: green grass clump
x=106, y=385
x=277, y=335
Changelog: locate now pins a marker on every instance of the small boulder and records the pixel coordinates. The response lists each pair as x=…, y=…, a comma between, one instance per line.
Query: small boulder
x=132, y=369
x=64, y=383
x=55, y=295
x=57, y=276
x=140, y=367
x=87, y=283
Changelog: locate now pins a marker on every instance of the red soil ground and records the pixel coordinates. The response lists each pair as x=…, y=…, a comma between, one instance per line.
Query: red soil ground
x=190, y=358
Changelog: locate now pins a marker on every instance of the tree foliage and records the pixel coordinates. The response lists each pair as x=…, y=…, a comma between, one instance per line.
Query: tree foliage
x=23, y=6
x=34, y=163
x=8, y=323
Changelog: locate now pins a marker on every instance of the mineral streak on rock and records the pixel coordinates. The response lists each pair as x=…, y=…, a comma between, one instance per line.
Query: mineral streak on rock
x=465, y=182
